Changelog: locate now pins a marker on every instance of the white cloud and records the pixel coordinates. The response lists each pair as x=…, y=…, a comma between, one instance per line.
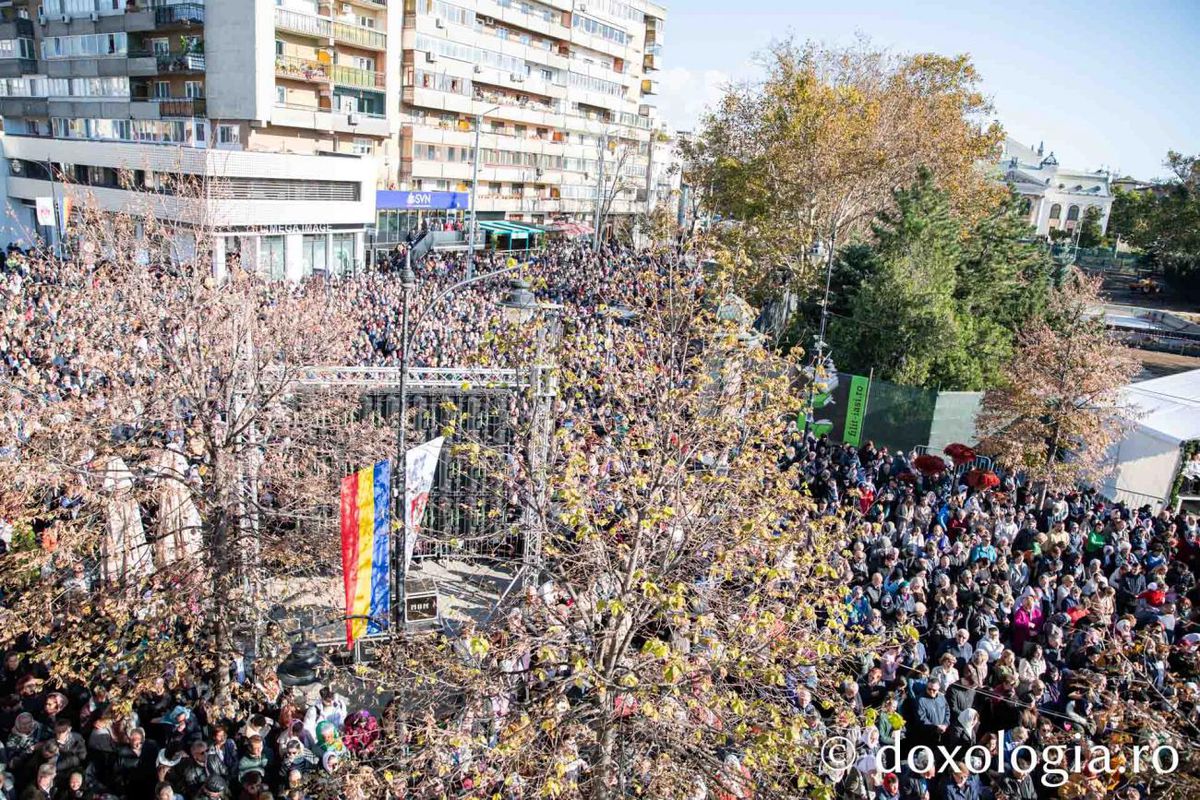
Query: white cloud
x=684, y=94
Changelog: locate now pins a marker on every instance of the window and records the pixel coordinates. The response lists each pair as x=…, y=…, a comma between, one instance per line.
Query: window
x=91, y=45
x=343, y=253
x=312, y=254
x=193, y=89
x=278, y=48
x=229, y=135
x=162, y=90
x=272, y=254
x=361, y=62
x=1056, y=211
x=1072, y=213
x=17, y=48
x=281, y=95
x=160, y=46
x=362, y=147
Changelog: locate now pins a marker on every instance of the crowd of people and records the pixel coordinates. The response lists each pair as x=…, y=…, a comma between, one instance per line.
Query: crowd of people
x=1066, y=620
x=1022, y=619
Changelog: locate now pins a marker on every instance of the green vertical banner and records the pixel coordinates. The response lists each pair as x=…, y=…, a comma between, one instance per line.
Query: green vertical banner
x=856, y=409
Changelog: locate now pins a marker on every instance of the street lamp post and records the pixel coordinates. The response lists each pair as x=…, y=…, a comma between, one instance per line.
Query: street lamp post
x=475, y=191
x=819, y=357
x=519, y=299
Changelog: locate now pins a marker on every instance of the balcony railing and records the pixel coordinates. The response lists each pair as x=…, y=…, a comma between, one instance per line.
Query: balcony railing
x=302, y=69
x=183, y=107
x=179, y=14
x=363, y=37
x=181, y=62
x=176, y=106
x=361, y=78
x=298, y=22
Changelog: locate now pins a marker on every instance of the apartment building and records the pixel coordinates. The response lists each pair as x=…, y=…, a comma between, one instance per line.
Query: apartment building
x=288, y=109
x=561, y=91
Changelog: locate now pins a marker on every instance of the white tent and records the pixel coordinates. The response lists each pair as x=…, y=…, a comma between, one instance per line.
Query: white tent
x=1147, y=459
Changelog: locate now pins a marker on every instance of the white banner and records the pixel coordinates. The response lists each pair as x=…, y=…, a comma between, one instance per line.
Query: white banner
x=45, y=211
x=420, y=464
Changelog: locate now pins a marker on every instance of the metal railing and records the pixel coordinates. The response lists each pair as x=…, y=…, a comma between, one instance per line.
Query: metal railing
x=362, y=78
x=364, y=37
x=299, y=22
x=302, y=69
x=185, y=13
x=182, y=107
x=181, y=62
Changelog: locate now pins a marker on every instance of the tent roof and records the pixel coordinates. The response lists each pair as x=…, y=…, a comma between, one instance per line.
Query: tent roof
x=1169, y=406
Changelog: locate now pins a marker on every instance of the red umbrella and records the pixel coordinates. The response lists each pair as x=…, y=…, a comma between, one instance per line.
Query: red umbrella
x=929, y=464
x=982, y=479
x=959, y=453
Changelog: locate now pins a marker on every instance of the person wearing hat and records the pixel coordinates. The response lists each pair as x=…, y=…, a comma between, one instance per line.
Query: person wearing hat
x=214, y=788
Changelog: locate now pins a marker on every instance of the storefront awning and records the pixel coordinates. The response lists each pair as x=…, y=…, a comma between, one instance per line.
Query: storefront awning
x=503, y=229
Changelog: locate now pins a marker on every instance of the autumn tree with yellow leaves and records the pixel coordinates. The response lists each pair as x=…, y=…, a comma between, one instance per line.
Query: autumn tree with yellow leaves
x=688, y=597
x=813, y=152
x=153, y=439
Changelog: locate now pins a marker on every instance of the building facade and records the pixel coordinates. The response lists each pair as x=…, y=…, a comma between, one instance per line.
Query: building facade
x=558, y=94
x=333, y=124
x=283, y=107
x=1056, y=197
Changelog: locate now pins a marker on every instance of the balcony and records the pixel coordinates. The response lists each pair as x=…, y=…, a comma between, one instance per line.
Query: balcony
x=16, y=29
x=650, y=62
x=301, y=69
x=358, y=36
x=15, y=67
x=179, y=14
x=649, y=86
x=306, y=24
x=180, y=62
x=143, y=107
x=360, y=78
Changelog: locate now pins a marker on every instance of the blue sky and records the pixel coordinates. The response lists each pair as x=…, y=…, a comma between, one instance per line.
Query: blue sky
x=1102, y=83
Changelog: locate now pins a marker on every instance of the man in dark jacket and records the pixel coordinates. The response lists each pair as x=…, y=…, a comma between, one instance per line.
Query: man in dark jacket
x=72, y=752
x=190, y=774
x=134, y=769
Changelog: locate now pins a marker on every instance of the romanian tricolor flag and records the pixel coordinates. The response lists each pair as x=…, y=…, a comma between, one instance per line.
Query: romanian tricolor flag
x=366, y=522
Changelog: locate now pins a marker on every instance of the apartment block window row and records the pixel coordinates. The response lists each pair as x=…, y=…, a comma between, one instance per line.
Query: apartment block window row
x=510, y=158
x=455, y=15
x=585, y=192
x=17, y=48
x=617, y=9
x=31, y=86
x=82, y=8
x=190, y=132
x=462, y=52
x=92, y=45
x=530, y=9
x=594, y=27
x=578, y=80
x=440, y=81
x=446, y=48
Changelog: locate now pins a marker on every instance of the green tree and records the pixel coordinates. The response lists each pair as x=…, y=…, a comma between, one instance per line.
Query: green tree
x=1090, y=234
x=814, y=152
x=904, y=320
x=1004, y=274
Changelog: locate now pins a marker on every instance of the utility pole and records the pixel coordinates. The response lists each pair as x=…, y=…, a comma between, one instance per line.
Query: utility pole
x=475, y=192
x=819, y=355
x=603, y=145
